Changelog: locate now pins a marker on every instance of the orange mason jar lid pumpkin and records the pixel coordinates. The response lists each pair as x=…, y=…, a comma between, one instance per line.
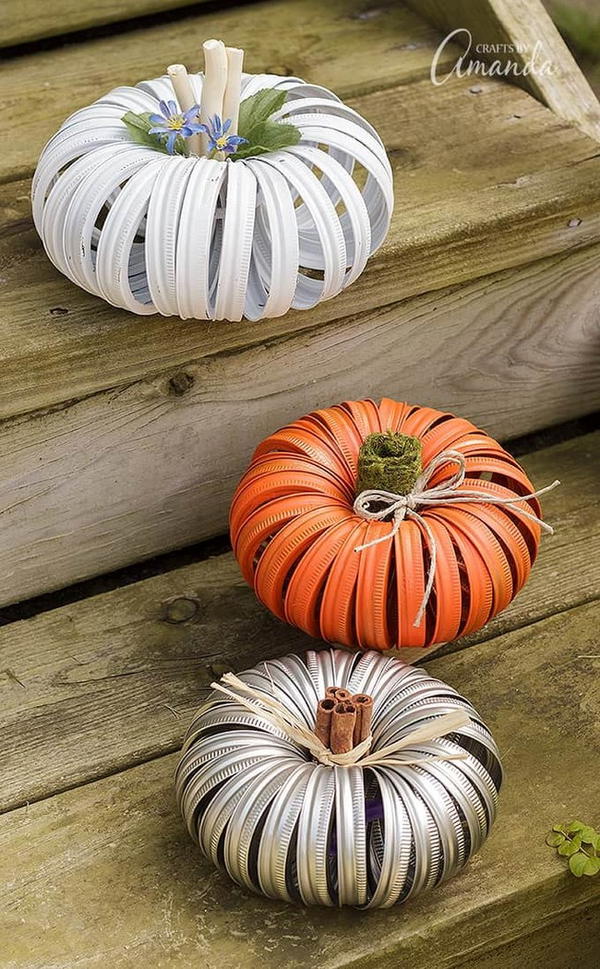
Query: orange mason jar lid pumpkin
x=384, y=525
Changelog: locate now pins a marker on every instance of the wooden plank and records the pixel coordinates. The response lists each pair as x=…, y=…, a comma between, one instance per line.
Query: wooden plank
x=25, y=21
x=332, y=44
x=95, y=686
x=71, y=499
x=525, y=187
x=520, y=34
x=113, y=856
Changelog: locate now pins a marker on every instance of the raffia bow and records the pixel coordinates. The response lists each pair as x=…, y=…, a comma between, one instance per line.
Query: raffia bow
x=447, y=493
x=273, y=712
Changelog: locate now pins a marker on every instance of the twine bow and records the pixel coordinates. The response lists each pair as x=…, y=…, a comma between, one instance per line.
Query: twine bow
x=446, y=493
x=273, y=712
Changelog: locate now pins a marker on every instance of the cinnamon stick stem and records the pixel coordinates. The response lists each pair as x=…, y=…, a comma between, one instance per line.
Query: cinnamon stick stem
x=338, y=693
x=323, y=720
x=343, y=695
x=364, y=716
x=343, y=720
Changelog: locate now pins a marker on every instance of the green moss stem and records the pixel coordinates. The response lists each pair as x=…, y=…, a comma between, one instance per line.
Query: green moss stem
x=389, y=462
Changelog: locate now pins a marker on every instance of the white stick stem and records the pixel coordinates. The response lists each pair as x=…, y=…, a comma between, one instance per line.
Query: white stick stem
x=215, y=81
x=185, y=96
x=233, y=90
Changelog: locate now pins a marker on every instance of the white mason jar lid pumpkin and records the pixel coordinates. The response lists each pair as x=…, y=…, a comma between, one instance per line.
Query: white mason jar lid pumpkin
x=207, y=239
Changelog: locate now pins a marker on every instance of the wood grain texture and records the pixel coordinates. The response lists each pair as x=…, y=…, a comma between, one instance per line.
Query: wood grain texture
x=95, y=686
x=150, y=466
x=483, y=182
x=332, y=44
x=106, y=875
x=25, y=21
x=532, y=41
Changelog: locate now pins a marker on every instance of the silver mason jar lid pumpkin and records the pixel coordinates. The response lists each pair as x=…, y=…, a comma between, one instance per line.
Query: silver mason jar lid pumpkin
x=280, y=823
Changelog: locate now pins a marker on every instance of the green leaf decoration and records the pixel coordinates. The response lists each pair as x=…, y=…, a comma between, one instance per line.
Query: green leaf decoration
x=576, y=826
x=138, y=126
x=258, y=108
x=589, y=835
x=554, y=839
x=255, y=124
x=559, y=827
x=578, y=863
x=269, y=136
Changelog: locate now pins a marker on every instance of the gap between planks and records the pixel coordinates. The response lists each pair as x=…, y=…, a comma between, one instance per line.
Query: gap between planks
x=95, y=686
x=71, y=502
x=29, y=28
x=118, y=846
x=193, y=554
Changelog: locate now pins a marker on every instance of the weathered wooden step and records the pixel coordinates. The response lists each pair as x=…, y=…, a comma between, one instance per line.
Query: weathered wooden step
x=483, y=182
x=95, y=686
x=487, y=278
x=513, y=37
x=331, y=44
x=106, y=875
x=25, y=21
x=70, y=478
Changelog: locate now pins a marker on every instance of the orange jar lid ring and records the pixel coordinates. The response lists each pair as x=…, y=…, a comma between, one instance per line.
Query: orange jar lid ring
x=380, y=569
x=371, y=602
x=305, y=589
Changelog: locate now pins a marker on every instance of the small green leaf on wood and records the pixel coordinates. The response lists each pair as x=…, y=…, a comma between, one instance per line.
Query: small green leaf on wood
x=555, y=838
x=592, y=866
x=569, y=847
x=578, y=842
x=578, y=863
